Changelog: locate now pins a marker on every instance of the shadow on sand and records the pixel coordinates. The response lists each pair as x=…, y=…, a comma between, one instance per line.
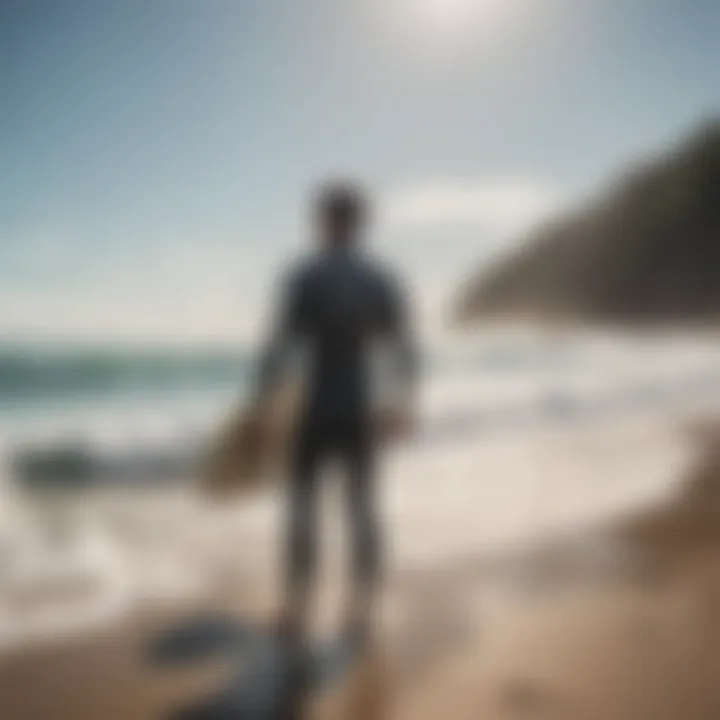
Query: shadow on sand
x=275, y=678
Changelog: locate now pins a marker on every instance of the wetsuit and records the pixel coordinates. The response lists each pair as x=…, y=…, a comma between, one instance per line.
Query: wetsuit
x=337, y=307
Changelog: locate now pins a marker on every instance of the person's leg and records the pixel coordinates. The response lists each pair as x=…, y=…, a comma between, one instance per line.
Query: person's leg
x=362, y=512
x=301, y=539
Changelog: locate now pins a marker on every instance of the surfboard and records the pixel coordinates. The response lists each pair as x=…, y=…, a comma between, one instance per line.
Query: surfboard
x=251, y=447
x=250, y=450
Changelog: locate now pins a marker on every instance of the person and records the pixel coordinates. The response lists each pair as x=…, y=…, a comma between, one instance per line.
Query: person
x=339, y=307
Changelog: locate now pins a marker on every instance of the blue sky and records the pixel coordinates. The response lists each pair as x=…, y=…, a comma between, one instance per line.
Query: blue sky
x=156, y=156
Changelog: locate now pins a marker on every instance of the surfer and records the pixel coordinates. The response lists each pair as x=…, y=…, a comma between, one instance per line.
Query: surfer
x=338, y=307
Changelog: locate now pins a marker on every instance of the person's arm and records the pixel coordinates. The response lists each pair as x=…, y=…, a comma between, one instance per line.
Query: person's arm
x=284, y=335
x=400, y=333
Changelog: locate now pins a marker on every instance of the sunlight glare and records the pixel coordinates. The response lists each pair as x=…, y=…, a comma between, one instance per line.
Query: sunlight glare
x=452, y=14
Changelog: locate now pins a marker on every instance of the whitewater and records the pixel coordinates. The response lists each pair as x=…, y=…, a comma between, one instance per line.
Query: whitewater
x=520, y=437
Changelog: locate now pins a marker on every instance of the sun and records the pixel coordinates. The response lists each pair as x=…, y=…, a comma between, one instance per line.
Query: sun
x=459, y=13
x=445, y=30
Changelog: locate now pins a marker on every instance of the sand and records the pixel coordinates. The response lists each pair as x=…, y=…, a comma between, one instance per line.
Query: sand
x=616, y=622
x=643, y=643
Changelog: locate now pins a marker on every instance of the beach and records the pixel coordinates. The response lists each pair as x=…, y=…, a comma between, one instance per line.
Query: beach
x=615, y=619
x=551, y=559
x=465, y=253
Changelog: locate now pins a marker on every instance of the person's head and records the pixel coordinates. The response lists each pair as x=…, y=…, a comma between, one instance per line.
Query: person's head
x=341, y=214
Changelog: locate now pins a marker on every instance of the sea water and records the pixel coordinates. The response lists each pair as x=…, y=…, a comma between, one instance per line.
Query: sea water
x=520, y=434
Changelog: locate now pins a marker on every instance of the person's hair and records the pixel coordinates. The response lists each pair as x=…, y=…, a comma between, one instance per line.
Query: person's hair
x=343, y=202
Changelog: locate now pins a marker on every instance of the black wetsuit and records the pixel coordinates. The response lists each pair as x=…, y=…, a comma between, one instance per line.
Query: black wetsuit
x=337, y=307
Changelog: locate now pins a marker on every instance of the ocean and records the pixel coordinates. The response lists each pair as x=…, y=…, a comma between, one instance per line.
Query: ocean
x=123, y=402
x=520, y=433
x=117, y=405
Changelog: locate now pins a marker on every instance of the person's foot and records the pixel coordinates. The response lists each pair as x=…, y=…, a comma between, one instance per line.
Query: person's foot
x=291, y=645
x=288, y=629
x=357, y=628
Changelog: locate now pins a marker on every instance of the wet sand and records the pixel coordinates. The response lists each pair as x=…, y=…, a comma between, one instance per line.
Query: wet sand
x=639, y=643
x=619, y=622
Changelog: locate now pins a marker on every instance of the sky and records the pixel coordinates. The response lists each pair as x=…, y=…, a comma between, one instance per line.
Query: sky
x=158, y=157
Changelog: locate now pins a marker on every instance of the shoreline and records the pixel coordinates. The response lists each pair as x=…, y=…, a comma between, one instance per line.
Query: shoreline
x=616, y=620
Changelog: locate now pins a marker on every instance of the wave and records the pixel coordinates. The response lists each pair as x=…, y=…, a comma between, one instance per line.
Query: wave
x=30, y=374
x=87, y=462
x=170, y=401
x=81, y=465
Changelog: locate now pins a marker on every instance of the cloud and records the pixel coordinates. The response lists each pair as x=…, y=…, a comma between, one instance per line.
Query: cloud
x=495, y=206
x=137, y=316
x=201, y=295
x=193, y=288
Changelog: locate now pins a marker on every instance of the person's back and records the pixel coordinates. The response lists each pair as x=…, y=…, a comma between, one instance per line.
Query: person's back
x=346, y=307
